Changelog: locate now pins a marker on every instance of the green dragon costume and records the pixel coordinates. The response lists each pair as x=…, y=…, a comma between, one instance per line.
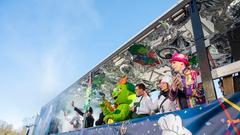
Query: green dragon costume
x=123, y=95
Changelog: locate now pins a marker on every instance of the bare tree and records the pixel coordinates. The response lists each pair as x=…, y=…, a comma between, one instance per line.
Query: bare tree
x=7, y=129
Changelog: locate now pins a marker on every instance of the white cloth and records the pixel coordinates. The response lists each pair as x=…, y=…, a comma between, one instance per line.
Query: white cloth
x=75, y=121
x=172, y=125
x=146, y=105
x=167, y=106
x=66, y=126
x=167, y=79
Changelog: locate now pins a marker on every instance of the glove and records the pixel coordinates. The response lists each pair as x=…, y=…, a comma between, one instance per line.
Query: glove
x=172, y=125
x=106, y=118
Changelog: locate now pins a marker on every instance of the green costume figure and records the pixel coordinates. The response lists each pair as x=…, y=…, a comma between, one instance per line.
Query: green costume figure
x=123, y=95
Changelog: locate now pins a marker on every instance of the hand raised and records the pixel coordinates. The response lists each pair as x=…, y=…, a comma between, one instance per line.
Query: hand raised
x=174, y=83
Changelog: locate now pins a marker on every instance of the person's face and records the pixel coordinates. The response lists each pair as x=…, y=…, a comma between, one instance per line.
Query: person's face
x=163, y=86
x=177, y=66
x=139, y=92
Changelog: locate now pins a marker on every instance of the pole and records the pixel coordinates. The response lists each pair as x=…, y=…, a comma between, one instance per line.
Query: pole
x=201, y=52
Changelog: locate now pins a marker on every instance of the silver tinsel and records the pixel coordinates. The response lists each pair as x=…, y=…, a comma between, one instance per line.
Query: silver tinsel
x=234, y=10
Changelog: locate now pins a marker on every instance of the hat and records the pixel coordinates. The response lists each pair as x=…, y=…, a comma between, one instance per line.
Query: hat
x=180, y=58
x=167, y=79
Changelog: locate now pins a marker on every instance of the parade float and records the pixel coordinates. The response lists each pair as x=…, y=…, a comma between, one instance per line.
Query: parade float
x=207, y=31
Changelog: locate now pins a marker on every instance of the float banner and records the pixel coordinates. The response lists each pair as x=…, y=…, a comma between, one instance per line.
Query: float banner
x=221, y=117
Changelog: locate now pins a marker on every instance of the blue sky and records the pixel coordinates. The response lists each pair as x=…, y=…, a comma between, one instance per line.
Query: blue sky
x=46, y=45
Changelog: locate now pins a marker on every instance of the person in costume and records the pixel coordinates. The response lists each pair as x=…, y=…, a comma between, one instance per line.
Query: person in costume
x=184, y=85
x=123, y=96
x=163, y=104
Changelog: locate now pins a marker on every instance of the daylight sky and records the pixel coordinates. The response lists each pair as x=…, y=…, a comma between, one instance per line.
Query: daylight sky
x=46, y=45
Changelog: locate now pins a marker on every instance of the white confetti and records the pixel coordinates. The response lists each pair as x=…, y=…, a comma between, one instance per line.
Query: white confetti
x=222, y=120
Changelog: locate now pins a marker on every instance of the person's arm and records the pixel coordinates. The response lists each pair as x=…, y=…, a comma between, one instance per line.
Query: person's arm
x=108, y=105
x=155, y=105
x=189, y=91
x=78, y=111
x=172, y=94
x=133, y=105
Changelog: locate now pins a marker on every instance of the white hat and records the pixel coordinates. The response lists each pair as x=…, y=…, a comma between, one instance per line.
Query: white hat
x=167, y=79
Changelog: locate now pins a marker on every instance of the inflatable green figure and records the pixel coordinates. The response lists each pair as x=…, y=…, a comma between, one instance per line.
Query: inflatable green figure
x=123, y=95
